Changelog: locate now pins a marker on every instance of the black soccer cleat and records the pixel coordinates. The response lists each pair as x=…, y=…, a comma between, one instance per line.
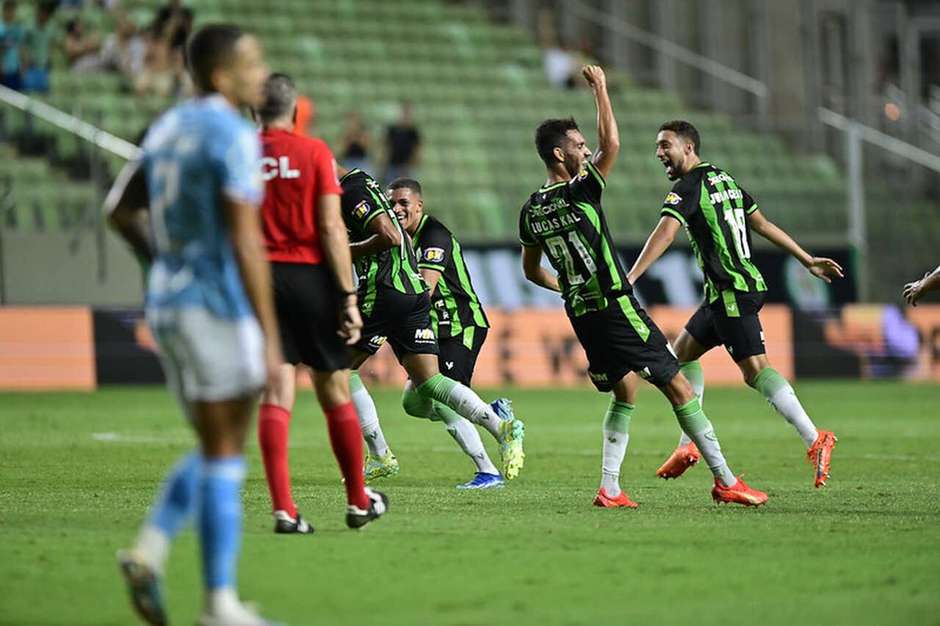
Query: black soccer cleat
x=378, y=506
x=284, y=524
x=143, y=584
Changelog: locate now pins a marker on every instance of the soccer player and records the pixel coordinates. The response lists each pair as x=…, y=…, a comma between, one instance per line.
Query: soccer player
x=457, y=317
x=915, y=290
x=315, y=301
x=719, y=216
x=564, y=220
x=396, y=307
x=209, y=306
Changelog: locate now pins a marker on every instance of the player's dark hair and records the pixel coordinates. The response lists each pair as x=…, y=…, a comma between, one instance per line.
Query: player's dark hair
x=686, y=131
x=209, y=48
x=280, y=98
x=550, y=134
x=406, y=183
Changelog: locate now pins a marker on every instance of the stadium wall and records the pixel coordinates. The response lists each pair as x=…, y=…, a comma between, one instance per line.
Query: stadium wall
x=80, y=348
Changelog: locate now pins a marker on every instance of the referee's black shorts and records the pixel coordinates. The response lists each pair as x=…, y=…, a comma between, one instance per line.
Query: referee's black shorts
x=307, y=303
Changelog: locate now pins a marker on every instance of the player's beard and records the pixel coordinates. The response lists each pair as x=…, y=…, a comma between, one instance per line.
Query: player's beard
x=573, y=165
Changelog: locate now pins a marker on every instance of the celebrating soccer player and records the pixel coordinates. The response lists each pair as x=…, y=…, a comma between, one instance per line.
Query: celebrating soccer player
x=460, y=324
x=396, y=308
x=564, y=220
x=315, y=302
x=719, y=216
x=209, y=307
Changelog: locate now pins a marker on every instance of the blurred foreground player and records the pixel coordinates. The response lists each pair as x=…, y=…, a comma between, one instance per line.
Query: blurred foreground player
x=209, y=307
x=315, y=302
x=719, y=216
x=564, y=220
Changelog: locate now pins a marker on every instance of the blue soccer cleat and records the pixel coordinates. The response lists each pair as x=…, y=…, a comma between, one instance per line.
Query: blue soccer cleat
x=482, y=480
x=143, y=584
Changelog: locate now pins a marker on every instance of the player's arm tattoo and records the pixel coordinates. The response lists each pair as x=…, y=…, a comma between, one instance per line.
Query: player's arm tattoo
x=127, y=207
x=657, y=243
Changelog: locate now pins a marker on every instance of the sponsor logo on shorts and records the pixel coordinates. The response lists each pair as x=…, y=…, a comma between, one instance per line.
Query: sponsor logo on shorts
x=449, y=365
x=361, y=210
x=377, y=341
x=424, y=335
x=433, y=255
x=600, y=377
x=644, y=373
x=672, y=199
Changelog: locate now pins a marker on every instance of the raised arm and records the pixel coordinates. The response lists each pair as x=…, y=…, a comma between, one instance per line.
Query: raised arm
x=820, y=267
x=335, y=244
x=608, y=137
x=127, y=207
x=534, y=272
x=915, y=290
x=384, y=236
x=657, y=243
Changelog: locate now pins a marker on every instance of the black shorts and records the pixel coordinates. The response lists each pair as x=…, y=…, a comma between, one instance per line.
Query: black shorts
x=731, y=320
x=623, y=339
x=459, y=354
x=307, y=304
x=404, y=320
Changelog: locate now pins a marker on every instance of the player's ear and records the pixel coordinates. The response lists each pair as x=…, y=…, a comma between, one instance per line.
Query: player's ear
x=559, y=154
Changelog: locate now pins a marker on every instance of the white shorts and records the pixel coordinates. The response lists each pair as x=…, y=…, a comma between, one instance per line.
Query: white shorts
x=206, y=358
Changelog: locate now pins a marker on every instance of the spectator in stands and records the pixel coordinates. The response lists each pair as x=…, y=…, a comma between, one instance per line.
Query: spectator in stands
x=402, y=145
x=354, y=150
x=37, y=43
x=81, y=49
x=11, y=38
x=178, y=19
x=304, y=116
x=125, y=50
x=162, y=74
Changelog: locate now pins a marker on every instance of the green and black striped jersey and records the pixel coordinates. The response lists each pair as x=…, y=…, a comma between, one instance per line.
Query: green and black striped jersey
x=455, y=306
x=714, y=210
x=396, y=268
x=565, y=219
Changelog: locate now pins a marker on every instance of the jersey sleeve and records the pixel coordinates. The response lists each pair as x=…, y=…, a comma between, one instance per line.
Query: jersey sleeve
x=589, y=184
x=360, y=208
x=526, y=237
x=238, y=162
x=437, y=246
x=681, y=202
x=750, y=204
x=324, y=172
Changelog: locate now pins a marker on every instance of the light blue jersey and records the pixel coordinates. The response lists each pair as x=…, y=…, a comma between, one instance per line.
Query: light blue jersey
x=194, y=155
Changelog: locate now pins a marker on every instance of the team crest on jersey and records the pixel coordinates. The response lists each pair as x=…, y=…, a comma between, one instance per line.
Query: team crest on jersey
x=672, y=199
x=433, y=255
x=361, y=210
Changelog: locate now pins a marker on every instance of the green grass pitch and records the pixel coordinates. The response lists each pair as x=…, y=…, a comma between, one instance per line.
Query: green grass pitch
x=77, y=472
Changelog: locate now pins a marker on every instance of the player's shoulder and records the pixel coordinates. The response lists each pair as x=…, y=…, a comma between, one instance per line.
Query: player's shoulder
x=434, y=226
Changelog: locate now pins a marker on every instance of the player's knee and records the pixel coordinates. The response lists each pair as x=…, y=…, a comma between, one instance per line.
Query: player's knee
x=414, y=404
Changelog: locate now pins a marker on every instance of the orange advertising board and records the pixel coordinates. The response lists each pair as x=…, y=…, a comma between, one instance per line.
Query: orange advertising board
x=46, y=348
x=538, y=348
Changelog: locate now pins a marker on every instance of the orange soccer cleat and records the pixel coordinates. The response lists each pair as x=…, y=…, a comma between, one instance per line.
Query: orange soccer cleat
x=738, y=493
x=621, y=501
x=820, y=454
x=682, y=458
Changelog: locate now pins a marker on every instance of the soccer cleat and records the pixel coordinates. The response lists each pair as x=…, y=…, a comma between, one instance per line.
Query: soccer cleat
x=482, y=480
x=681, y=459
x=284, y=524
x=381, y=467
x=621, y=501
x=738, y=493
x=238, y=615
x=378, y=506
x=820, y=454
x=143, y=583
x=511, y=435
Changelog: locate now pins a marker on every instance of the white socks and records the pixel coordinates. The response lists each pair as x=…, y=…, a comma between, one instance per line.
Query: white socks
x=368, y=417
